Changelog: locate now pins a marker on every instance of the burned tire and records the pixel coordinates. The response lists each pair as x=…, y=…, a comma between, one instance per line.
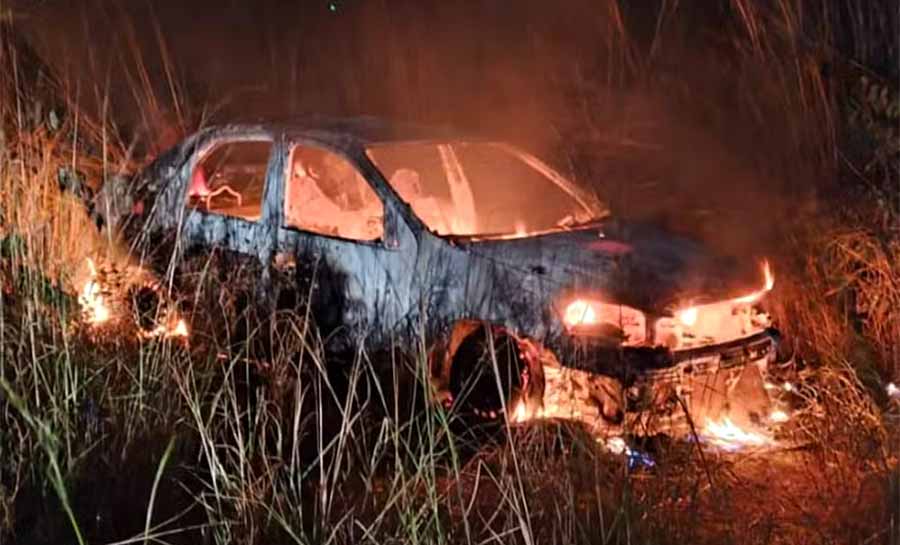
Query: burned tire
x=478, y=391
x=146, y=304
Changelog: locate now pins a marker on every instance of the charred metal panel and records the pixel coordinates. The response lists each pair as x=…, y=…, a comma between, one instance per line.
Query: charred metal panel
x=163, y=191
x=362, y=288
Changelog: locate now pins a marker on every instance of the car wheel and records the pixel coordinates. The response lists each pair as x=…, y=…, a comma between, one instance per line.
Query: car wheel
x=487, y=374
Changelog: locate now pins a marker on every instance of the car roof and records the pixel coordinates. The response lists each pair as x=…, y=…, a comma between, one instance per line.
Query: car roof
x=364, y=130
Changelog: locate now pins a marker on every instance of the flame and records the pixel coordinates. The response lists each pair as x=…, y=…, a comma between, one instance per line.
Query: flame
x=770, y=277
x=615, y=444
x=688, y=316
x=767, y=287
x=91, y=299
x=520, y=414
x=728, y=436
x=96, y=311
x=892, y=391
x=580, y=312
x=778, y=416
x=179, y=330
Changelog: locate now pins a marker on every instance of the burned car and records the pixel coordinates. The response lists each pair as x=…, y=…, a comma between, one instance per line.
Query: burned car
x=473, y=244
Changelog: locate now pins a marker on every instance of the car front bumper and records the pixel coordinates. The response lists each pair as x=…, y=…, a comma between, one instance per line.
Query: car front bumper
x=657, y=390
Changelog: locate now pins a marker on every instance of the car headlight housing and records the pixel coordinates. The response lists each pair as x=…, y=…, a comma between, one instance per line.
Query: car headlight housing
x=694, y=325
x=711, y=323
x=591, y=317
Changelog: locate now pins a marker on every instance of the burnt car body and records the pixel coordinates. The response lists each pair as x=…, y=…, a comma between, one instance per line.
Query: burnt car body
x=455, y=239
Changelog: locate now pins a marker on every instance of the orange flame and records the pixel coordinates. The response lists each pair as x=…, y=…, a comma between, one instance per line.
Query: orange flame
x=580, y=312
x=179, y=330
x=767, y=287
x=521, y=413
x=688, y=316
x=91, y=299
x=96, y=311
x=728, y=436
x=770, y=277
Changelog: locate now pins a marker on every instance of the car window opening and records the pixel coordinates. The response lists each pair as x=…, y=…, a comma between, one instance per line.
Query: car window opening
x=230, y=179
x=480, y=189
x=325, y=194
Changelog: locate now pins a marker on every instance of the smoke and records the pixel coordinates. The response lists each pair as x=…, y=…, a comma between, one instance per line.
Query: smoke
x=715, y=120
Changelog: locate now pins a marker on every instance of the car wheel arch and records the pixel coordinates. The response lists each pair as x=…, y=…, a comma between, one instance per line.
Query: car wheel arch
x=446, y=361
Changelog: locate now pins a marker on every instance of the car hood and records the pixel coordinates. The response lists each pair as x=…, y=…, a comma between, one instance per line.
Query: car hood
x=634, y=264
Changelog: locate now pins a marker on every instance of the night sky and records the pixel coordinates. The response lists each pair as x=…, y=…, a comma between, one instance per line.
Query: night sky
x=438, y=61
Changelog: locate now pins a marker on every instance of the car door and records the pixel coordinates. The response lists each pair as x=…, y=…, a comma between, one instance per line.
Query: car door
x=342, y=229
x=234, y=208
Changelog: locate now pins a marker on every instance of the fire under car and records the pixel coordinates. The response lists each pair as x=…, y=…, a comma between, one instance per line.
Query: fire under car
x=537, y=302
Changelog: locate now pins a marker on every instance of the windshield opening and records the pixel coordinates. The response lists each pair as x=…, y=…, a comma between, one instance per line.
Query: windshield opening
x=481, y=189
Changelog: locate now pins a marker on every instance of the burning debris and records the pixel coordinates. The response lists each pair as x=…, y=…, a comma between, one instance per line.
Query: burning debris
x=114, y=297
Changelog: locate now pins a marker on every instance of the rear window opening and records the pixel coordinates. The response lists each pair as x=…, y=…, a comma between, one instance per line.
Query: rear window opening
x=230, y=180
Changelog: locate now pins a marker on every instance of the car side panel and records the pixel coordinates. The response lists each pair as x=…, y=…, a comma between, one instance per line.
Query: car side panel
x=358, y=288
x=456, y=283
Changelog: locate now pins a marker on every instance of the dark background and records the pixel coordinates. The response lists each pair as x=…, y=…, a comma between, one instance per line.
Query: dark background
x=657, y=105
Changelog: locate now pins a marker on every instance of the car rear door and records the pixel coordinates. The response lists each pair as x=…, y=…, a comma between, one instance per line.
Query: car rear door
x=342, y=233
x=235, y=211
